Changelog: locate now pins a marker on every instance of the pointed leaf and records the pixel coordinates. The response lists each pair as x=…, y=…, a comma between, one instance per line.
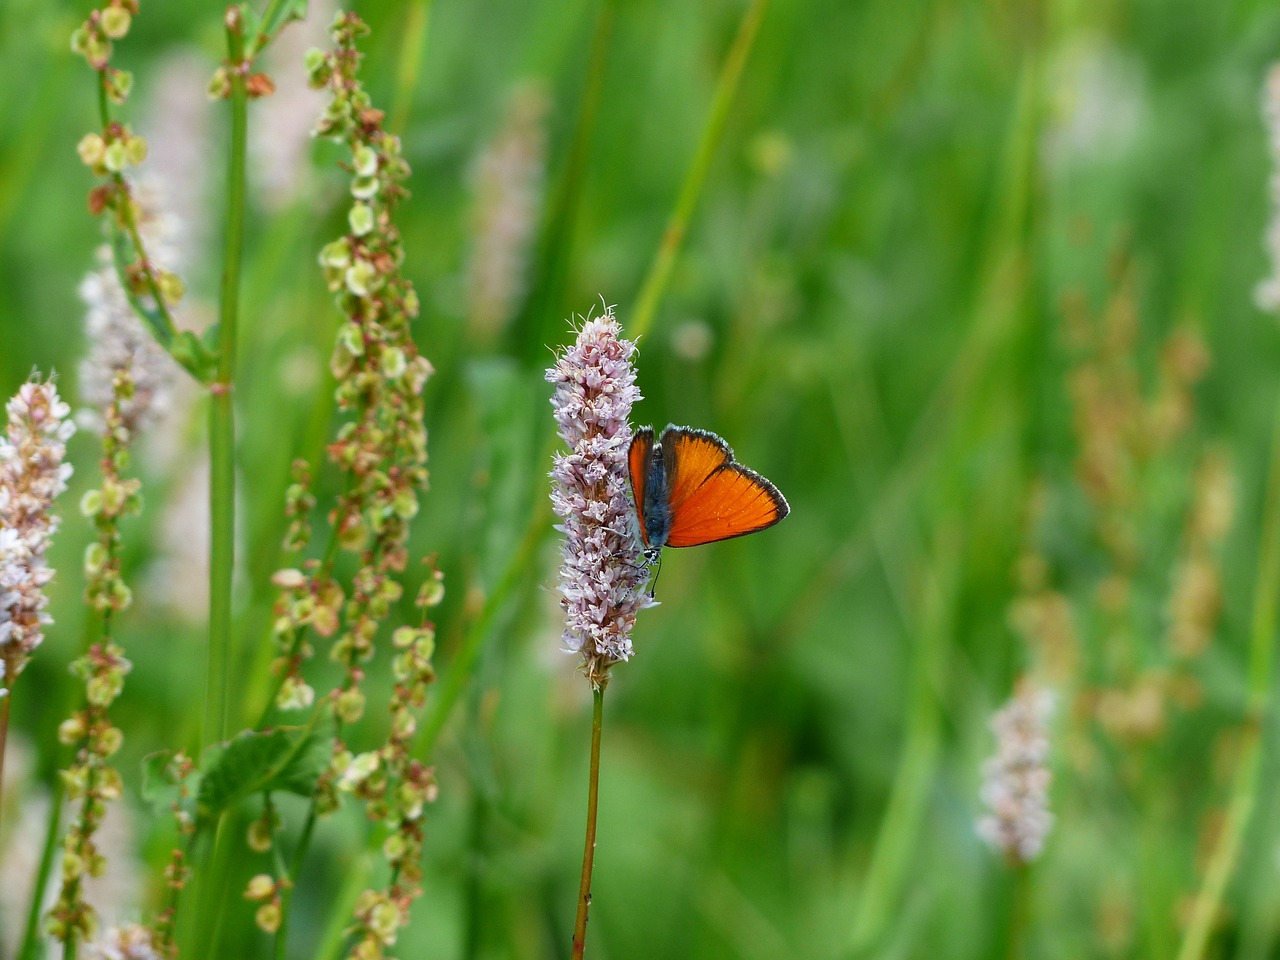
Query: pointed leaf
x=287, y=758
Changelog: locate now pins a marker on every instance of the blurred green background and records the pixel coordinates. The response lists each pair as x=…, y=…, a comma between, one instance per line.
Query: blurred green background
x=929, y=289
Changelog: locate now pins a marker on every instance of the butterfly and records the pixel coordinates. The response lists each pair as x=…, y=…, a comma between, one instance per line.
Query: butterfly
x=689, y=490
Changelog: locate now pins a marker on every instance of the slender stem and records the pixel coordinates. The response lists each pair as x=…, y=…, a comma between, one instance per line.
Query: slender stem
x=1226, y=853
x=165, y=334
x=556, y=242
x=286, y=895
x=726, y=87
x=412, y=40
x=1019, y=910
x=5, y=697
x=899, y=833
x=31, y=933
x=222, y=477
x=589, y=851
x=464, y=663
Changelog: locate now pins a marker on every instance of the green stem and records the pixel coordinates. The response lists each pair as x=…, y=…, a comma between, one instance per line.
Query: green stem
x=167, y=329
x=295, y=866
x=31, y=933
x=412, y=41
x=5, y=697
x=712, y=132
x=556, y=242
x=900, y=828
x=222, y=478
x=464, y=663
x=357, y=878
x=1226, y=853
x=589, y=851
x=1019, y=910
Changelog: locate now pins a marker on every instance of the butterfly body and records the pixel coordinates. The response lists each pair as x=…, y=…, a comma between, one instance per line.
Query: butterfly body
x=689, y=490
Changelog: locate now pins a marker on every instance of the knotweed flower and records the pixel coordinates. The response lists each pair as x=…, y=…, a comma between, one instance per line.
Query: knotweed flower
x=601, y=578
x=507, y=187
x=1015, y=786
x=129, y=942
x=32, y=475
x=119, y=345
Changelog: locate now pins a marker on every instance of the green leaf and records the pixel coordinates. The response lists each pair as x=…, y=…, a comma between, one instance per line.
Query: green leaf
x=161, y=786
x=278, y=14
x=250, y=22
x=287, y=758
x=123, y=254
x=194, y=356
x=182, y=345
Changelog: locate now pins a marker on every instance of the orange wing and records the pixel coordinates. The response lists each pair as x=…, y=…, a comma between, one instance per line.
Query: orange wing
x=712, y=496
x=638, y=458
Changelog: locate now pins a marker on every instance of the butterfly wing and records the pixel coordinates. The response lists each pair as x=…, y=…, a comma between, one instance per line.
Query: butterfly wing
x=638, y=459
x=712, y=497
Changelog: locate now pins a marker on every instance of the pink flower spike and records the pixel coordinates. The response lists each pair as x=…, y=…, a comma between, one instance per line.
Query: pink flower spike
x=601, y=577
x=32, y=474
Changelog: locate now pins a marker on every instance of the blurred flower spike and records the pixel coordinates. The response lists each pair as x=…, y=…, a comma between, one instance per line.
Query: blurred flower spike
x=1015, y=782
x=601, y=577
x=32, y=475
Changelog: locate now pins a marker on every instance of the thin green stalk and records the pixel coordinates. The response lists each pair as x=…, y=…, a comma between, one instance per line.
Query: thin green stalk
x=1226, y=853
x=589, y=851
x=222, y=478
x=5, y=697
x=412, y=41
x=31, y=932
x=357, y=877
x=290, y=877
x=900, y=827
x=655, y=283
x=556, y=243
x=1019, y=910
x=168, y=331
x=464, y=663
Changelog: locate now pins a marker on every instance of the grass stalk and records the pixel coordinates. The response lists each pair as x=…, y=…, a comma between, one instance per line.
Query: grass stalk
x=30, y=948
x=655, y=283
x=221, y=408
x=464, y=663
x=556, y=243
x=900, y=829
x=412, y=41
x=589, y=850
x=1019, y=910
x=1244, y=791
x=5, y=696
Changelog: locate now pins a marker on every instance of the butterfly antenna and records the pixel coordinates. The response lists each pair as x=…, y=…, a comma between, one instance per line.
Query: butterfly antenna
x=653, y=584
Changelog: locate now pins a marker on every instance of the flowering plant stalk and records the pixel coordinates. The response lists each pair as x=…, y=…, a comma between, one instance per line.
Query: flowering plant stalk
x=602, y=578
x=32, y=475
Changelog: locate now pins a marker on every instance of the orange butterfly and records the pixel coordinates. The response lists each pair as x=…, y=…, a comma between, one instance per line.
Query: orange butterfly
x=689, y=490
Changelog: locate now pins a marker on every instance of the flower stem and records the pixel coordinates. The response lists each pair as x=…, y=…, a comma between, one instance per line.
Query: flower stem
x=5, y=697
x=222, y=479
x=464, y=661
x=726, y=87
x=290, y=877
x=1019, y=910
x=589, y=852
x=1226, y=853
x=413, y=39
x=31, y=934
